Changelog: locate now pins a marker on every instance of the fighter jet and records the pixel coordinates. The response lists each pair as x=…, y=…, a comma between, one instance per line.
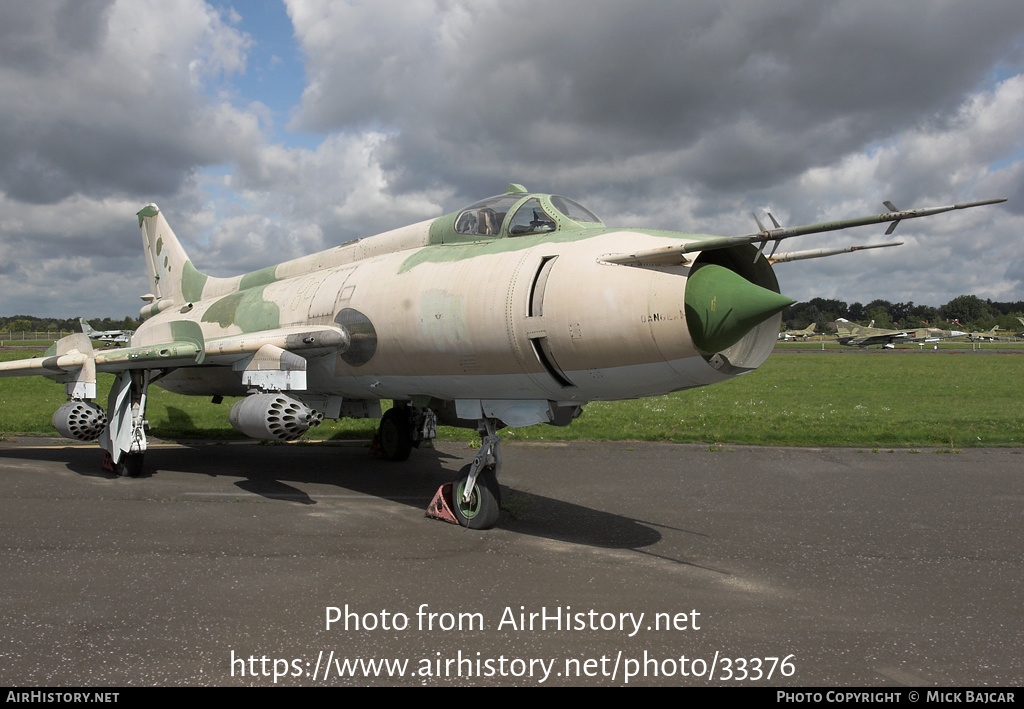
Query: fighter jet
x=794, y=334
x=517, y=310
x=989, y=336
x=110, y=337
x=854, y=335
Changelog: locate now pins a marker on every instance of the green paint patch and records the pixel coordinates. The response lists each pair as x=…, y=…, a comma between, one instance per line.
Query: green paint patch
x=192, y=282
x=262, y=277
x=223, y=311
x=454, y=252
x=255, y=313
x=246, y=309
x=150, y=210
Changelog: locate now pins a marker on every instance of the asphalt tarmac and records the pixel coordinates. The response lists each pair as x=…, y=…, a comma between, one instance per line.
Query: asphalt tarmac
x=613, y=563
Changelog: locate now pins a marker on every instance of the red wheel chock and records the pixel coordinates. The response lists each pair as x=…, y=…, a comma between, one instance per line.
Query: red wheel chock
x=441, y=506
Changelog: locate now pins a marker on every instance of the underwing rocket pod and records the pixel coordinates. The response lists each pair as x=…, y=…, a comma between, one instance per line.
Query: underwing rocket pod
x=80, y=420
x=273, y=417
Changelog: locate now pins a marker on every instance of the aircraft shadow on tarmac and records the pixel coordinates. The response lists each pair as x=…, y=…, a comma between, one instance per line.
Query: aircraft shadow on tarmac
x=273, y=471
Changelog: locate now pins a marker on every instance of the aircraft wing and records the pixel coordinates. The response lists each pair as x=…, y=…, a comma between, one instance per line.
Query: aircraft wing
x=676, y=254
x=264, y=356
x=175, y=345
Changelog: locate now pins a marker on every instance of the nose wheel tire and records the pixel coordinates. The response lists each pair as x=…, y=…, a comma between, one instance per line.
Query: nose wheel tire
x=484, y=505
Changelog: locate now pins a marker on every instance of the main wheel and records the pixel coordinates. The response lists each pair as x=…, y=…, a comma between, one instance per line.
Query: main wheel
x=395, y=434
x=484, y=506
x=130, y=465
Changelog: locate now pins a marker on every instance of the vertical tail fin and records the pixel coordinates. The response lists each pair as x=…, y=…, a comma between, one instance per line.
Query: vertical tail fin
x=173, y=280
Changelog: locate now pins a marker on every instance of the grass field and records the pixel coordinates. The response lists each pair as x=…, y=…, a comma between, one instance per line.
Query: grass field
x=878, y=400
x=830, y=343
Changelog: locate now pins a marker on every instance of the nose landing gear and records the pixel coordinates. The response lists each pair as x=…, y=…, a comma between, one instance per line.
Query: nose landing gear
x=473, y=500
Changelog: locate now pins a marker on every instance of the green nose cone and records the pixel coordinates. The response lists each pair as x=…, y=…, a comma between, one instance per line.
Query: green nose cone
x=722, y=306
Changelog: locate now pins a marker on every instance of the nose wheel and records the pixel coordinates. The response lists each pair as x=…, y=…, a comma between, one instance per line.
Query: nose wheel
x=483, y=507
x=477, y=495
x=473, y=500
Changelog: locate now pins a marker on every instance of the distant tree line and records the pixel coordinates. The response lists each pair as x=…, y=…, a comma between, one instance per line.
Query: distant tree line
x=965, y=312
x=30, y=323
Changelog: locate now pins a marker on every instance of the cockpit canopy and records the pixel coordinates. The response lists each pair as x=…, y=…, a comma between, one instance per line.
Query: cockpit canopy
x=517, y=213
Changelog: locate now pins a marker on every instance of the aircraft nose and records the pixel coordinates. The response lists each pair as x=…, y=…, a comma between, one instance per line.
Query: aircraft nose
x=722, y=306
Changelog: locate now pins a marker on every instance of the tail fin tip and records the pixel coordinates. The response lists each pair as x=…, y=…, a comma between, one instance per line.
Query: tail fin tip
x=150, y=210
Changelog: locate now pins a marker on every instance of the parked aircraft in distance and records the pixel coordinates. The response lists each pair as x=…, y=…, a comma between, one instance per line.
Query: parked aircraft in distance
x=990, y=335
x=109, y=336
x=802, y=334
x=854, y=335
x=517, y=310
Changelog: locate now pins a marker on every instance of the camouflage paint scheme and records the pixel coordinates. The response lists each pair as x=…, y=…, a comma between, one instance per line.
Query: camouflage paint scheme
x=451, y=318
x=571, y=312
x=989, y=335
x=854, y=335
x=514, y=311
x=793, y=334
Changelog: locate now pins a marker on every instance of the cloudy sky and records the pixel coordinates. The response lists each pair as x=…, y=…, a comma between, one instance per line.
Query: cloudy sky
x=266, y=130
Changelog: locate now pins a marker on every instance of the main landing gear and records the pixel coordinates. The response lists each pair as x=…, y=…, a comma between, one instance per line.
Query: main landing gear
x=395, y=435
x=124, y=438
x=472, y=500
x=401, y=429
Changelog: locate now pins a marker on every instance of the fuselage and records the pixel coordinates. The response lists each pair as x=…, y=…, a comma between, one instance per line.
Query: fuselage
x=535, y=316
